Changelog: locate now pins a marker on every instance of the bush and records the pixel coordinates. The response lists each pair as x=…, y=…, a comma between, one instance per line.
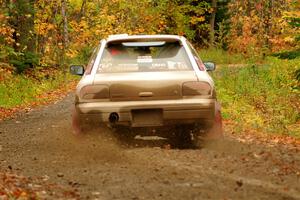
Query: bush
x=288, y=54
x=23, y=61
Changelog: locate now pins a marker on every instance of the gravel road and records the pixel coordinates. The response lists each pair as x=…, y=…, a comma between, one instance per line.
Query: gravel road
x=99, y=166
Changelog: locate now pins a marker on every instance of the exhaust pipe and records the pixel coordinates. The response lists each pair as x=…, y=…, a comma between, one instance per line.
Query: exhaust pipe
x=113, y=118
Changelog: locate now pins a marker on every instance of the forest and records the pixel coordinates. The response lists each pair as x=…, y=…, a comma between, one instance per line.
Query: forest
x=39, y=39
x=255, y=45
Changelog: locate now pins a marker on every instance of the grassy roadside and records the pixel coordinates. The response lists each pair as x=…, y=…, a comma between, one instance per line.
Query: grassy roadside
x=18, y=92
x=263, y=97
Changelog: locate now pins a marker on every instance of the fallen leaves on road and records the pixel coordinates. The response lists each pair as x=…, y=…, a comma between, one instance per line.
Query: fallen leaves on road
x=13, y=186
x=254, y=136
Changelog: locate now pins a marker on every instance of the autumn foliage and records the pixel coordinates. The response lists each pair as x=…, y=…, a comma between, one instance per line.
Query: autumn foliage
x=42, y=33
x=260, y=27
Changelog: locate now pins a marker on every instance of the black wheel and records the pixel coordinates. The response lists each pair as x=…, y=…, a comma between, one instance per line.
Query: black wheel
x=181, y=137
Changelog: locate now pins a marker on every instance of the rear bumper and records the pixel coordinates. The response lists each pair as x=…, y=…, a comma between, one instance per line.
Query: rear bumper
x=172, y=111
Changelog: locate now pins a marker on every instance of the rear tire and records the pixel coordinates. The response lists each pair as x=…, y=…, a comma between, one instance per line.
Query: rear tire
x=181, y=137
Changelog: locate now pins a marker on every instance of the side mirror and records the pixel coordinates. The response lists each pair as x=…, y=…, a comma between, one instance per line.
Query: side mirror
x=210, y=66
x=77, y=70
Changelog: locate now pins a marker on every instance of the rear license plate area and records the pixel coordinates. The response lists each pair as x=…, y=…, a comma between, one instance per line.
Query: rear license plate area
x=147, y=117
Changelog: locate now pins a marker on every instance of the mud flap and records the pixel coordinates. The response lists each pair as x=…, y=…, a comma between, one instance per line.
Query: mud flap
x=216, y=130
x=76, y=129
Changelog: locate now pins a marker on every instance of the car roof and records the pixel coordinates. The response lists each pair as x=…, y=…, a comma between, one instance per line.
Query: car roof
x=133, y=38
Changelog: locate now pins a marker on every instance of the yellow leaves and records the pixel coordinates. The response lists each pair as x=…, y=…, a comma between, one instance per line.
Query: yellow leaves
x=112, y=18
x=76, y=4
x=71, y=53
x=141, y=30
x=97, y=32
x=253, y=13
x=148, y=18
x=43, y=28
x=289, y=39
x=196, y=20
x=83, y=24
x=295, y=13
x=210, y=10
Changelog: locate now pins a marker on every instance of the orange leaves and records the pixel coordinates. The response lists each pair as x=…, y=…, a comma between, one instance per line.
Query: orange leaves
x=117, y=16
x=6, y=71
x=14, y=186
x=141, y=30
x=43, y=28
x=6, y=31
x=210, y=10
x=260, y=26
x=162, y=25
x=149, y=18
x=71, y=53
x=251, y=135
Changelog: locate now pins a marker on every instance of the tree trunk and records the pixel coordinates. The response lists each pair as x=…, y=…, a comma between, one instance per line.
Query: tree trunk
x=65, y=23
x=212, y=23
x=82, y=10
x=65, y=37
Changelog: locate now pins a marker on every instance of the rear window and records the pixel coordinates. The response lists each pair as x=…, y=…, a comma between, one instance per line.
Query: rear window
x=144, y=57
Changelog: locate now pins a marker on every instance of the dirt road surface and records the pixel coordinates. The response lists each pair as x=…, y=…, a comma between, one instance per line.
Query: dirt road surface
x=40, y=144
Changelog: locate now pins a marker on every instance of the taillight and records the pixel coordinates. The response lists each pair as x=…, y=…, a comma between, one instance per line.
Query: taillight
x=94, y=92
x=196, y=88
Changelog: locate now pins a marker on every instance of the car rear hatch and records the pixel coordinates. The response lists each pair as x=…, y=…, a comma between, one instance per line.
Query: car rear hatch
x=134, y=86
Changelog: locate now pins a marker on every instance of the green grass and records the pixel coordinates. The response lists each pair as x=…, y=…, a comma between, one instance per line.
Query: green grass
x=20, y=89
x=220, y=56
x=265, y=97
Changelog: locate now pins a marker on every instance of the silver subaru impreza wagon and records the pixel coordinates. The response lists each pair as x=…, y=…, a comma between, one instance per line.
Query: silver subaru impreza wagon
x=154, y=82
